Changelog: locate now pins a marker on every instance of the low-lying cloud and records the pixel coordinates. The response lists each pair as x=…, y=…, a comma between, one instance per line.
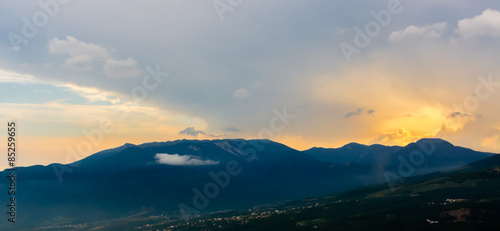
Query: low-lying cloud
x=184, y=160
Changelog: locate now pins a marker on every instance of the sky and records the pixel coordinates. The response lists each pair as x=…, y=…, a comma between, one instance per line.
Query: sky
x=83, y=76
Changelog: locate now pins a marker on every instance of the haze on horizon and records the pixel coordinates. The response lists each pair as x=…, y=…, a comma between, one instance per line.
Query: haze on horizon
x=430, y=71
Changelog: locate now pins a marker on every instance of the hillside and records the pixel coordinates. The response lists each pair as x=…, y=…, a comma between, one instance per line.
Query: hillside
x=459, y=200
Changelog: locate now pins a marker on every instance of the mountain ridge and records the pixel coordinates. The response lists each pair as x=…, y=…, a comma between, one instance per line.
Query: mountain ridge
x=121, y=181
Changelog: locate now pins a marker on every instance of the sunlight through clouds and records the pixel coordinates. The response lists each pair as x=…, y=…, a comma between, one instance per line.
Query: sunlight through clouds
x=225, y=78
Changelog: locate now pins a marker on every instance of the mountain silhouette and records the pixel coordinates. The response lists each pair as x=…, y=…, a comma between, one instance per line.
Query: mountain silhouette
x=227, y=174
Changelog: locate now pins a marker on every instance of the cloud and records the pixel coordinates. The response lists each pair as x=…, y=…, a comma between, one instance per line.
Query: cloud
x=458, y=114
x=232, y=129
x=354, y=113
x=370, y=112
x=395, y=78
x=400, y=137
x=82, y=56
x=121, y=68
x=91, y=93
x=184, y=160
x=241, y=93
x=431, y=31
x=190, y=131
x=486, y=24
x=13, y=77
x=81, y=62
x=74, y=48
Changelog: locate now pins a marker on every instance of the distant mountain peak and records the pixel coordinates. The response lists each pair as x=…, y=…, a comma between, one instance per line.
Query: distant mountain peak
x=354, y=145
x=127, y=145
x=435, y=140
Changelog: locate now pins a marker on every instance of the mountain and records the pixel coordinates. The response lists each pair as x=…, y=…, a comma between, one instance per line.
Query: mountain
x=486, y=163
x=215, y=175
x=438, y=155
x=422, y=157
x=353, y=152
x=187, y=177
